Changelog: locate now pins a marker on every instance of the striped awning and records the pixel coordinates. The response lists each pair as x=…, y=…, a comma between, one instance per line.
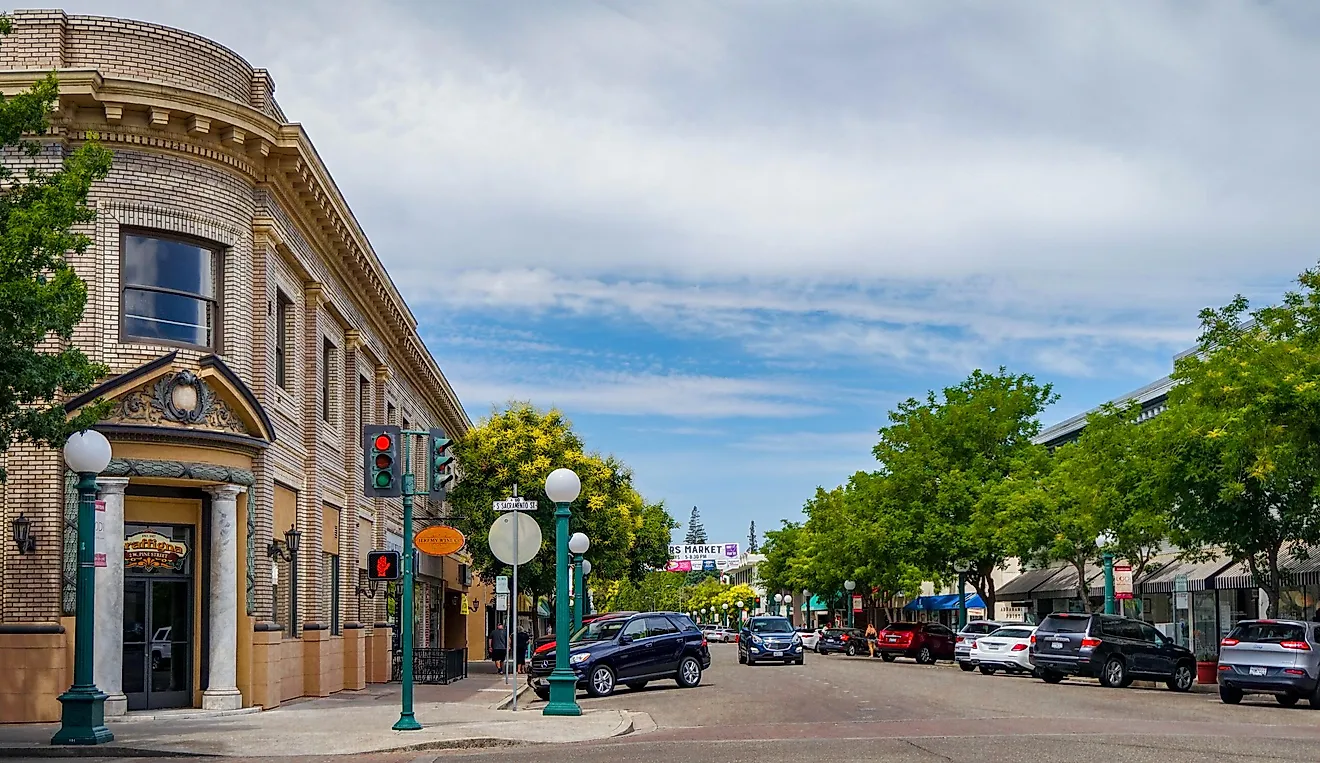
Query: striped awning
x=1296, y=572
x=1063, y=584
x=1019, y=588
x=1198, y=574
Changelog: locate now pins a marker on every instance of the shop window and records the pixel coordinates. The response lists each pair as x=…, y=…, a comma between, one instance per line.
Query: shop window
x=389, y=413
x=283, y=316
x=329, y=362
x=169, y=290
x=364, y=401
x=331, y=568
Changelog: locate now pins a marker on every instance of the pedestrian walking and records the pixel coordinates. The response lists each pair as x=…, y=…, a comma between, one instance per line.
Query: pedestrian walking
x=499, y=645
x=871, y=635
x=521, y=642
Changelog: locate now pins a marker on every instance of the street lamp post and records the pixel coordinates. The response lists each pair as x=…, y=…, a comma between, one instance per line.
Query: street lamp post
x=82, y=714
x=779, y=603
x=961, y=566
x=1105, y=541
x=806, y=607
x=849, y=585
x=726, y=614
x=562, y=487
x=740, y=613
x=578, y=544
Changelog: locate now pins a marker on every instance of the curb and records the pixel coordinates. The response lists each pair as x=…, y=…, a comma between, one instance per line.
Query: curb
x=94, y=751
x=505, y=703
x=178, y=716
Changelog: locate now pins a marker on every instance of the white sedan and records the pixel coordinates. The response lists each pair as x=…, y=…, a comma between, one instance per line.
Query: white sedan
x=1007, y=649
x=810, y=637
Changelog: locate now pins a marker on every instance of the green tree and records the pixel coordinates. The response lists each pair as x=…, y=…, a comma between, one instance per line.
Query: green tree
x=521, y=446
x=944, y=459
x=1243, y=437
x=696, y=532
x=41, y=298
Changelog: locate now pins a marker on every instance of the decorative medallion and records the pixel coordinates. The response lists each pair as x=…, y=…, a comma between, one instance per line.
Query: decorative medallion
x=182, y=398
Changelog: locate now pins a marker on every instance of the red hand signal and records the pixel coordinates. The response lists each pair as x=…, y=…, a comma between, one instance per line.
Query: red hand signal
x=383, y=566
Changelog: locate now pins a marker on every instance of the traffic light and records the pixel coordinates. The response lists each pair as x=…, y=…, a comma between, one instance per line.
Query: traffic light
x=383, y=565
x=440, y=455
x=382, y=475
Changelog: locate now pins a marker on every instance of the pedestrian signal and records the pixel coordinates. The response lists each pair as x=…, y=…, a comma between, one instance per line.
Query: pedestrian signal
x=383, y=565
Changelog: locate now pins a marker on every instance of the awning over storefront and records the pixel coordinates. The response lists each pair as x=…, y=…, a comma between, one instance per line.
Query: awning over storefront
x=1063, y=584
x=1165, y=579
x=817, y=605
x=1019, y=587
x=943, y=602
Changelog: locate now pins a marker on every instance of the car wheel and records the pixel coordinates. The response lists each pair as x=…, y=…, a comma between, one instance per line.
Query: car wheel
x=986, y=670
x=851, y=651
x=1315, y=698
x=1183, y=676
x=1050, y=677
x=1113, y=673
x=602, y=682
x=925, y=656
x=742, y=659
x=750, y=661
x=542, y=694
x=967, y=667
x=1287, y=700
x=689, y=673
x=798, y=661
x=636, y=685
x=1229, y=695
x=820, y=651
x=887, y=657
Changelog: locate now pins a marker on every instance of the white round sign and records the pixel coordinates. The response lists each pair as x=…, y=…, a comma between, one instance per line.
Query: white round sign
x=501, y=537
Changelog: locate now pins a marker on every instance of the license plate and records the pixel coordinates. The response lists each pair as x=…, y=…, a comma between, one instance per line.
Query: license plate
x=892, y=639
x=1056, y=645
x=1256, y=671
x=779, y=654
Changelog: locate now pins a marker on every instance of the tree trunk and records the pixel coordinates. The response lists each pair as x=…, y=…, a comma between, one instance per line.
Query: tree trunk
x=1083, y=590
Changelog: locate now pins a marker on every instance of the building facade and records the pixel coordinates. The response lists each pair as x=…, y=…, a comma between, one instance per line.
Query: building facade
x=250, y=330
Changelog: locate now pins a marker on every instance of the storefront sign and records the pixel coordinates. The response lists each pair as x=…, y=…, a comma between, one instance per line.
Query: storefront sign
x=98, y=550
x=153, y=551
x=463, y=606
x=857, y=603
x=1122, y=581
x=439, y=541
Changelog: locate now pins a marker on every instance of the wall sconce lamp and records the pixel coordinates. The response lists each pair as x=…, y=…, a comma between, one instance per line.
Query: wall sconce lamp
x=23, y=535
x=369, y=591
x=286, y=550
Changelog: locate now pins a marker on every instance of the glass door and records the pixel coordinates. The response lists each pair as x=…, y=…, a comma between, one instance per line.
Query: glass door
x=157, y=643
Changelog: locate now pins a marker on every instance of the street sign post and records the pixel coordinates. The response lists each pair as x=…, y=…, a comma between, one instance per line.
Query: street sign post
x=514, y=539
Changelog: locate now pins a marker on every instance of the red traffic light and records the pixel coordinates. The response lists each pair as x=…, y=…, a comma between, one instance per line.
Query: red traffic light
x=382, y=442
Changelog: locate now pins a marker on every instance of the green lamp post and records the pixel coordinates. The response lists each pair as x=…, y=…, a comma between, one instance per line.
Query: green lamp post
x=961, y=567
x=849, y=585
x=1105, y=541
x=578, y=544
x=562, y=487
x=82, y=714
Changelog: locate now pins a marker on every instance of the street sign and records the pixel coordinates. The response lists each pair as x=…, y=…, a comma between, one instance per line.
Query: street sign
x=501, y=584
x=439, y=540
x=502, y=540
x=515, y=504
x=1122, y=581
x=501, y=602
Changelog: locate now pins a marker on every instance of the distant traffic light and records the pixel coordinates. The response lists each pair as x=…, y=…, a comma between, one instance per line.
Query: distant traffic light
x=381, y=474
x=383, y=565
x=440, y=462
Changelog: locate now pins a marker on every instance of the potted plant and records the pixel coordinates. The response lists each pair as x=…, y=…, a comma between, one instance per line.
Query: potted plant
x=1207, y=666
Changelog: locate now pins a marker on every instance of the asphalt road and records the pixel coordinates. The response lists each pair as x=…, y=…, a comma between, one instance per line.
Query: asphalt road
x=838, y=708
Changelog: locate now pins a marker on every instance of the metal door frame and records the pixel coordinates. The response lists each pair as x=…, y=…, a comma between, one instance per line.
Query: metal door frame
x=182, y=698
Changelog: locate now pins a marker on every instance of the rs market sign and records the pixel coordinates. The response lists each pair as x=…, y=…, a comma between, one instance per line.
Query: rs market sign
x=151, y=551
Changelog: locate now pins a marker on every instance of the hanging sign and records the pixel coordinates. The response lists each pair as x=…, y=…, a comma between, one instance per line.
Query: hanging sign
x=153, y=551
x=1122, y=581
x=98, y=558
x=440, y=540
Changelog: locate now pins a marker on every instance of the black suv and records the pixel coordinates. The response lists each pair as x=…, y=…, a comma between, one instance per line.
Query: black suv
x=631, y=650
x=1116, y=650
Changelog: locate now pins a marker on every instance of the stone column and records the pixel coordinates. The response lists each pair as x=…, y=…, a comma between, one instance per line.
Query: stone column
x=108, y=664
x=222, y=692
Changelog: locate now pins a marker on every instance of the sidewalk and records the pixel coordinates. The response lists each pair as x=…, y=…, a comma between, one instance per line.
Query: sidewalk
x=342, y=724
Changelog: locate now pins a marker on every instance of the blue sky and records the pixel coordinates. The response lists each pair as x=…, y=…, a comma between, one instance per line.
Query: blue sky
x=726, y=238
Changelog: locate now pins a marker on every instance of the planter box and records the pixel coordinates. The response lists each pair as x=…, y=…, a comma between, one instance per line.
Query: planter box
x=1207, y=672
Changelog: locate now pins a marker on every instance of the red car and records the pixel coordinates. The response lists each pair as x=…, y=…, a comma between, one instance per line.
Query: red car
x=923, y=642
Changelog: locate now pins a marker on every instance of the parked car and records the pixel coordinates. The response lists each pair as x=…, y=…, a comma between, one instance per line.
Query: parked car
x=1279, y=657
x=850, y=641
x=632, y=650
x=1116, y=650
x=810, y=637
x=546, y=642
x=1007, y=649
x=923, y=642
x=769, y=638
x=721, y=634
x=962, y=644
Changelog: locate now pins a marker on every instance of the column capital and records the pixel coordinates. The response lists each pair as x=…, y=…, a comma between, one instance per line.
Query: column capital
x=383, y=373
x=225, y=491
x=352, y=339
x=112, y=485
x=314, y=293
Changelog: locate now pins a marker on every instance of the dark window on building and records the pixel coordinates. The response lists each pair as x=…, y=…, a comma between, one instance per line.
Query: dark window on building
x=170, y=290
x=389, y=413
x=364, y=401
x=283, y=314
x=332, y=583
x=328, y=359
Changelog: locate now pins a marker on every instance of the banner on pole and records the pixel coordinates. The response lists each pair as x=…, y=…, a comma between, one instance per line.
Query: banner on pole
x=1122, y=581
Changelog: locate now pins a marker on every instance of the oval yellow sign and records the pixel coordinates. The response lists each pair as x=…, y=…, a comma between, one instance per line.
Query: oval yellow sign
x=440, y=540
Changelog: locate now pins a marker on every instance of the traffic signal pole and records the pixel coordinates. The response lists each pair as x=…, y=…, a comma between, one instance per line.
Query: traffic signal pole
x=407, y=722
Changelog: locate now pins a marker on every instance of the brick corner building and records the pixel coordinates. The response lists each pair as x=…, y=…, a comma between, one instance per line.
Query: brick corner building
x=250, y=331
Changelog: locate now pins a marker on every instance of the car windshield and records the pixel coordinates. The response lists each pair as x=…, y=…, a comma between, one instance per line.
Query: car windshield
x=1268, y=633
x=902, y=627
x=771, y=626
x=1012, y=633
x=1065, y=624
x=598, y=630
x=974, y=628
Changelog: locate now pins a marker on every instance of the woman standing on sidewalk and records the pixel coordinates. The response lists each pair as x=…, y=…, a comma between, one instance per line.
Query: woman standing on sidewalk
x=871, y=635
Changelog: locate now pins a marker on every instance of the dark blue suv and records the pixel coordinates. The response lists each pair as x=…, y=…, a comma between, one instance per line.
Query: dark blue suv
x=769, y=638
x=631, y=650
